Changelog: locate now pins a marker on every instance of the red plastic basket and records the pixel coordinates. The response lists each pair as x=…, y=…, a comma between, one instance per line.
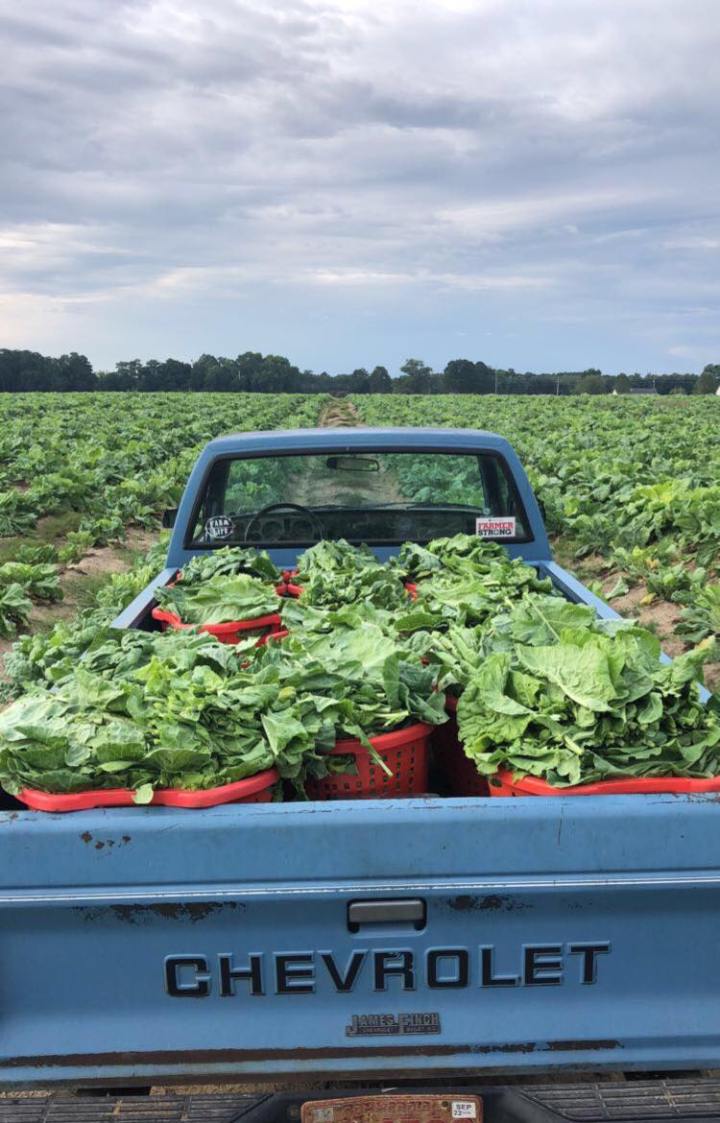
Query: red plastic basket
x=272, y=637
x=503, y=784
x=288, y=586
x=231, y=632
x=255, y=789
x=459, y=771
x=406, y=753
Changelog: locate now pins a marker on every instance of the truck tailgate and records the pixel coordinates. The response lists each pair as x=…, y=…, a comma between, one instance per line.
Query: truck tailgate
x=360, y=938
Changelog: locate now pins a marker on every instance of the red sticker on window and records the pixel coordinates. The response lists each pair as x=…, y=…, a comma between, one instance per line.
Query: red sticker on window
x=488, y=527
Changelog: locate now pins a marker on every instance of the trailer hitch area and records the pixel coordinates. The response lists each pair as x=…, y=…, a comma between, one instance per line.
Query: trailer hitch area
x=571, y=1098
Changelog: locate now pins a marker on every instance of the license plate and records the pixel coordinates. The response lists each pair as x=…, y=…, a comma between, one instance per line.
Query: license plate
x=394, y=1109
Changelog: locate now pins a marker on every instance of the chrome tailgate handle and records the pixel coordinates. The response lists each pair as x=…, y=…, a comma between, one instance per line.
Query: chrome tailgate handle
x=410, y=911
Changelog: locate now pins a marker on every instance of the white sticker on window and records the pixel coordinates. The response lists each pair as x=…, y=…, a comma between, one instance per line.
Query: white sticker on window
x=488, y=527
x=219, y=526
x=464, y=1109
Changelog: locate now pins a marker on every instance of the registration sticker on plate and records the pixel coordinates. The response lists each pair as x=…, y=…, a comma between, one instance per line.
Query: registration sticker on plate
x=393, y=1109
x=464, y=1109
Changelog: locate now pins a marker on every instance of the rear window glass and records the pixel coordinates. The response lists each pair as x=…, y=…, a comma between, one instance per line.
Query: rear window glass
x=364, y=497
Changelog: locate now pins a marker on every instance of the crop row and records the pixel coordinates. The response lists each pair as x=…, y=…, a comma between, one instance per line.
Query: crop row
x=110, y=461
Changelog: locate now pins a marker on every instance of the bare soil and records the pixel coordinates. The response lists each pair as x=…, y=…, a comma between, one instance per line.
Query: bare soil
x=102, y=560
x=339, y=413
x=712, y=677
x=77, y=582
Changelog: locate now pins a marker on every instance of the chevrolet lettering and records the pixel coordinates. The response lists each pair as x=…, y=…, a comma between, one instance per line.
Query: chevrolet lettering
x=378, y=970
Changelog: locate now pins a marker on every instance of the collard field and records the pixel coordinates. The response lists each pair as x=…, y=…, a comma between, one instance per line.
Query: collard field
x=630, y=486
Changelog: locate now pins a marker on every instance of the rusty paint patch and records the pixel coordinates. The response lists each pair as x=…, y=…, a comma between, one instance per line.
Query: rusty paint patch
x=489, y=903
x=171, y=910
x=190, y=1057
x=512, y=1047
x=87, y=838
x=582, y=1046
x=145, y=914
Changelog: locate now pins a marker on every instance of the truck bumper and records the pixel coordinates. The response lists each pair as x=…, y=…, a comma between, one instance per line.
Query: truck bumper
x=693, y=1099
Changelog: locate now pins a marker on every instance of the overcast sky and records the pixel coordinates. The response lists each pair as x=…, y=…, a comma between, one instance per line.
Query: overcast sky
x=534, y=183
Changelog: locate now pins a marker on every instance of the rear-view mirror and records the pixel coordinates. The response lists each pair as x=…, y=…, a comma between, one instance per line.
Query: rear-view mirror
x=352, y=464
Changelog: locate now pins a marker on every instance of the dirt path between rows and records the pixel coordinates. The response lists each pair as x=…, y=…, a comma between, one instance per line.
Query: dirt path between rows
x=339, y=413
x=80, y=580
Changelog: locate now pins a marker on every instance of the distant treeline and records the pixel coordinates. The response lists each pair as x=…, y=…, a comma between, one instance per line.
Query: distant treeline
x=274, y=374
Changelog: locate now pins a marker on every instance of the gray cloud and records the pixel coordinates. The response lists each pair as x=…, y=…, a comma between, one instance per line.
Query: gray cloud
x=534, y=183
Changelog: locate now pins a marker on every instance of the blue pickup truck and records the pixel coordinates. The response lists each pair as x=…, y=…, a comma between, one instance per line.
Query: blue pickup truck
x=422, y=940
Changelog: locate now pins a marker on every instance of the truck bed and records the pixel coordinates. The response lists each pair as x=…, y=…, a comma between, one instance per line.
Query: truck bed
x=492, y=934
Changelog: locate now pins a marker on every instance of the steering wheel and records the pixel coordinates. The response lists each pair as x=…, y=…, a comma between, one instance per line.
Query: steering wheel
x=314, y=522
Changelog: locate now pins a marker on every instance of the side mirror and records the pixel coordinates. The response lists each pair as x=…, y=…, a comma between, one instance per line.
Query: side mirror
x=543, y=512
x=168, y=518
